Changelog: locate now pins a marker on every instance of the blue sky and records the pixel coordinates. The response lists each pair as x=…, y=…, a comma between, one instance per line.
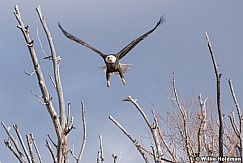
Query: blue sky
x=178, y=46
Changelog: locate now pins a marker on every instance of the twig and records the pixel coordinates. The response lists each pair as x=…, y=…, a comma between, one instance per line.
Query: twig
x=16, y=151
x=29, y=142
x=155, y=133
x=101, y=150
x=52, y=140
x=22, y=142
x=37, y=32
x=234, y=98
x=30, y=74
x=69, y=124
x=84, y=133
x=36, y=148
x=53, y=82
x=184, y=116
x=234, y=125
x=34, y=94
x=69, y=113
x=98, y=157
x=51, y=151
x=154, y=154
x=146, y=150
x=115, y=157
x=75, y=158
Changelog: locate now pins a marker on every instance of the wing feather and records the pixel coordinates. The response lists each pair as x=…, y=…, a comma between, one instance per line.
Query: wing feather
x=132, y=44
x=72, y=37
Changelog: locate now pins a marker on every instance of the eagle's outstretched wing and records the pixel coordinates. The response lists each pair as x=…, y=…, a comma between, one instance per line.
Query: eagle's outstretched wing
x=70, y=36
x=132, y=44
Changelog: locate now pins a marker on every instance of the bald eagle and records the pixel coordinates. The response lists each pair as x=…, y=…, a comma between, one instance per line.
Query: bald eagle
x=112, y=64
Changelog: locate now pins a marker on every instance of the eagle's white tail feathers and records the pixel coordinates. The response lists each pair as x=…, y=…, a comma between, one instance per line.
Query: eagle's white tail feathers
x=125, y=68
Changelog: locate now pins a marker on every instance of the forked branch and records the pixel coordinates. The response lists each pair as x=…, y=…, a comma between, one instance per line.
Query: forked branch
x=56, y=62
x=45, y=94
x=14, y=149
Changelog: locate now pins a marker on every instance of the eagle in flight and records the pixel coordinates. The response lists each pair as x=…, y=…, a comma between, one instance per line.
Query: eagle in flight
x=112, y=60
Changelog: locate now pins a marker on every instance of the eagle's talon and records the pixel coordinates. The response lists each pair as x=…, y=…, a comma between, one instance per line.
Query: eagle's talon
x=123, y=81
x=108, y=84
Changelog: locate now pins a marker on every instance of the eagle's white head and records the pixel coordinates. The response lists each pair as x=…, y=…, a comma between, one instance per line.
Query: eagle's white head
x=110, y=59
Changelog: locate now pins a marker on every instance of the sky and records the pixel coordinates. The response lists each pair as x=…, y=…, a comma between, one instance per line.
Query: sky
x=177, y=46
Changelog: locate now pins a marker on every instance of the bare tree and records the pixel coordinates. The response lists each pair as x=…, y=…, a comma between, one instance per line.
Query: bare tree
x=63, y=125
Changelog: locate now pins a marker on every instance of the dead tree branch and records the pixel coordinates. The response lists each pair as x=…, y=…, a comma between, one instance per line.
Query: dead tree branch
x=220, y=114
x=98, y=157
x=202, y=126
x=134, y=141
x=184, y=117
x=51, y=151
x=234, y=125
x=115, y=158
x=151, y=127
x=30, y=143
x=75, y=158
x=35, y=146
x=101, y=149
x=162, y=138
x=41, y=46
x=62, y=140
x=55, y=145
x=84, y=134
x=238, y=130
x=15, y=150
x=69, y=124
x=56, y=68
x=22, y=142
x=78, y=159
x=45, y=94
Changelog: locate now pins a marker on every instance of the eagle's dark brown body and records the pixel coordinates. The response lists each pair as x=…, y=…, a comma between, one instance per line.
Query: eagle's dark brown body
x=112, y=60
x=112, y=67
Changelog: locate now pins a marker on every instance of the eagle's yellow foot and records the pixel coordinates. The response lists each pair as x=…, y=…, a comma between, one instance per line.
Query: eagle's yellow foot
x=123, y=81
x=108, y=84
